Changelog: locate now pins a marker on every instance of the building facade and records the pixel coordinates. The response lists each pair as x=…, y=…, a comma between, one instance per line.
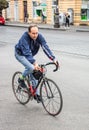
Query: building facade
x=33, y=10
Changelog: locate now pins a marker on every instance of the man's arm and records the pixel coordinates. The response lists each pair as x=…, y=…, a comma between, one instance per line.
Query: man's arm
x=47, y=50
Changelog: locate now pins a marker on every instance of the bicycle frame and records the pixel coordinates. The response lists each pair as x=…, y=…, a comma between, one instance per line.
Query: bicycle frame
x=33, y=91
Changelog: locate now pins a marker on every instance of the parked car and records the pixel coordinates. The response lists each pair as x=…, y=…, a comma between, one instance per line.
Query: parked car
x=2, y=20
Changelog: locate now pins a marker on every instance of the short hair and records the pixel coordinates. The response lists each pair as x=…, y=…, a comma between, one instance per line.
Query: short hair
x=31, y=26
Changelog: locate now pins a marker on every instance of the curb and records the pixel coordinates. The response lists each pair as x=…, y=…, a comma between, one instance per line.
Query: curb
x=46, y=28
x=26, y=26
x=82, y=30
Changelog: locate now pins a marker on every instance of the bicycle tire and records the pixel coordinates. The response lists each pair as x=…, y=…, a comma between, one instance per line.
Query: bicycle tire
x=52, y=104
x=22, y=95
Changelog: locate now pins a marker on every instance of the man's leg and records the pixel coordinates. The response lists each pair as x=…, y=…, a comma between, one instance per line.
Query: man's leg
x=68, y=24
x=28, y=68
x=34, y=82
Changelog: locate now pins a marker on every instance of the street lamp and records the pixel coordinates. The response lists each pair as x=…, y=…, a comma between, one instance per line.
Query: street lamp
x=56, y=16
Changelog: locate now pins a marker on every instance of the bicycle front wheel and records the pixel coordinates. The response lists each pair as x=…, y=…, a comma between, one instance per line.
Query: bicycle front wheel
x=51, y=97
x=21, y=94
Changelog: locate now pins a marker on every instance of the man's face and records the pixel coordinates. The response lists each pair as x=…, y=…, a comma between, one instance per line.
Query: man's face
x=33, y=33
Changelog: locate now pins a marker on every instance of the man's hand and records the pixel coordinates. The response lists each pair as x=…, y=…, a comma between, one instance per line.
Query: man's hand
x=56, y=62
x=36, y=66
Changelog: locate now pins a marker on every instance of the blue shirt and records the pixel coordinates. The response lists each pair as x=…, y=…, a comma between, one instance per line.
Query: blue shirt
x=29, y=48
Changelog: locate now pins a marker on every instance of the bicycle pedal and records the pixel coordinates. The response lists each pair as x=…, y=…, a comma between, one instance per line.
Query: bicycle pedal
x=18, y=89
x=31, y=98
x=38, y=101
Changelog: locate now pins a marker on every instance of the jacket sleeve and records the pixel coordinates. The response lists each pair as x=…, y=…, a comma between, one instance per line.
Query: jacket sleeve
x=46, y=48
x=26, y=50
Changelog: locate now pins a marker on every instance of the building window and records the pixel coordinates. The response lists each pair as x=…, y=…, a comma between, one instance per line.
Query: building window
x=54, y=2
x=34, y=3
x=85, y=1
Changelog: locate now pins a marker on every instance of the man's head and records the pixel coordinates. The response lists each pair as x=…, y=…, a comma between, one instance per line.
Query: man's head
x=33, y=31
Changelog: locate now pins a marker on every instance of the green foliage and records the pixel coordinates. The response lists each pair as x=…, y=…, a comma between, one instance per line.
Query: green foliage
x=3, y=4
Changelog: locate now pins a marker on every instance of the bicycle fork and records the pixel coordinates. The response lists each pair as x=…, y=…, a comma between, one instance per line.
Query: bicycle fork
x=48, y=90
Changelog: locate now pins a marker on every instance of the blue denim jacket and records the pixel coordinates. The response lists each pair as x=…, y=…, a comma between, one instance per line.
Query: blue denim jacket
x=29, y=48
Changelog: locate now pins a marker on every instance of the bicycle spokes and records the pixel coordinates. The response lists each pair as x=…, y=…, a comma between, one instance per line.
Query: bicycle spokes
x=21, y=94
x=51, y=97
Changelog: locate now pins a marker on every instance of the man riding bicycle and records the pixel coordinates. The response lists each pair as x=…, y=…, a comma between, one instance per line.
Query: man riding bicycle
x=25, y=50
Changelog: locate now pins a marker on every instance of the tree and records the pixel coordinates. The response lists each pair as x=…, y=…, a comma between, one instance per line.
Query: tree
x=3, y=5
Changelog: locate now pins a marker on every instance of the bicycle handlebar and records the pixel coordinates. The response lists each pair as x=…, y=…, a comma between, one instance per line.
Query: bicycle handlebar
x=56, y=65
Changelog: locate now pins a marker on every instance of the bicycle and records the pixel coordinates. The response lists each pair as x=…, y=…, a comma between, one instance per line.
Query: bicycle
x=49, y=91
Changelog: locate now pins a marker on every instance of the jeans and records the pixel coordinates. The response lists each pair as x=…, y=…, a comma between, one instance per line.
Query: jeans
x=28, y=68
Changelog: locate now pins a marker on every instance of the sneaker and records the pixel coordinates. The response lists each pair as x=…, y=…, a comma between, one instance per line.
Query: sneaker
x=22, y=83
x=37, y=98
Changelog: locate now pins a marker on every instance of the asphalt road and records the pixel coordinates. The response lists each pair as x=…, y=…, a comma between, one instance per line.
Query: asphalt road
x=69, y=42
x=72, y=78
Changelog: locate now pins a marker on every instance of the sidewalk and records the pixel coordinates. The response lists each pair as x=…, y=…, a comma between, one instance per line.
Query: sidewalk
x=50, y=27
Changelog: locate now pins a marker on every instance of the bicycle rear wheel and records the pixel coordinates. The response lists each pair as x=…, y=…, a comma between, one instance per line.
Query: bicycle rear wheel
x=51, y=97
x=21, y=94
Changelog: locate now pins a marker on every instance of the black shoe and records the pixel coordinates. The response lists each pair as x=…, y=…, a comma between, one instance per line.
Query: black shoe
x=37, y=98
x=22, y=83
